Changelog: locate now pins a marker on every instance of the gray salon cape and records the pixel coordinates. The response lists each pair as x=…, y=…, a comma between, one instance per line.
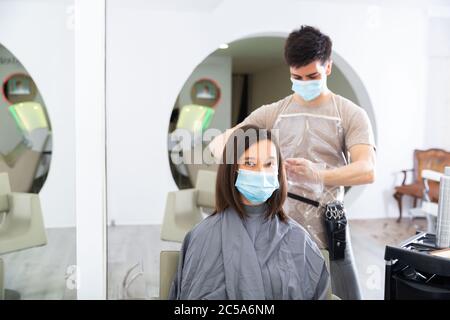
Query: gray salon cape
x=225, y=257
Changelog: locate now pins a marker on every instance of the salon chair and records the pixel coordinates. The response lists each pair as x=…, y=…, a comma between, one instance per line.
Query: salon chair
x=21, y=165
x=190, y=158
x=185, y=208
x=169, y=265
x=431, y=159
x=21, y=225
x=428, y=208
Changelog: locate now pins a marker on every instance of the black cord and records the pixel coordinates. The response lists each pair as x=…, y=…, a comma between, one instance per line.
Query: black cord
x=303, y=199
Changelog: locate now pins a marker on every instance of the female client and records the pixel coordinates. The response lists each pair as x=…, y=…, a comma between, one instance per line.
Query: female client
x=248, y=248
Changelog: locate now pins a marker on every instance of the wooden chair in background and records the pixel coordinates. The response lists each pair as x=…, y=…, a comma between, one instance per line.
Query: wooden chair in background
x=432, y=159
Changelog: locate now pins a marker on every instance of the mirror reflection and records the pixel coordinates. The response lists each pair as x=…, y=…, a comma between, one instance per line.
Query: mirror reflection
x=34, y=258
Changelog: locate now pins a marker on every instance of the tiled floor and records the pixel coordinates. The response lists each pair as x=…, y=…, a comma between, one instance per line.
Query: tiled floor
x=369, y=238
x=40, y=273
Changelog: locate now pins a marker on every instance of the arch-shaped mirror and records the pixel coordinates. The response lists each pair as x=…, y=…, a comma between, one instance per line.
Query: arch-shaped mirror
x=25, y=129
x=249, y=73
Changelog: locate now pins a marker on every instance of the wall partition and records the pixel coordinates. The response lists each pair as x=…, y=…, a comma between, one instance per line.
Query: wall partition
x=37, y=151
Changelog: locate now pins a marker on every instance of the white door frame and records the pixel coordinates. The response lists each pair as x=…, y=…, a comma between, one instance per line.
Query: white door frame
x=90, y=138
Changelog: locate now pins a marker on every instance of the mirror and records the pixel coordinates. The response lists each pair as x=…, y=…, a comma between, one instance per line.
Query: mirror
x=25, y=129
x=37, y=238
x=245, y=75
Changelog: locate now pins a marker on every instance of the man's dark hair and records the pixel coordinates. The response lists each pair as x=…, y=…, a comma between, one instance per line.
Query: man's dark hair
x=306, y=45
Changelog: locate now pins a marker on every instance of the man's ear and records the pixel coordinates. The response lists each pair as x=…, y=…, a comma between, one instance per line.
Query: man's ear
x=329, y=67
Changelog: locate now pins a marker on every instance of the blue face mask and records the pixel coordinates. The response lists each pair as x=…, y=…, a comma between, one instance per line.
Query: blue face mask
x=257, y=186
x=308, y=90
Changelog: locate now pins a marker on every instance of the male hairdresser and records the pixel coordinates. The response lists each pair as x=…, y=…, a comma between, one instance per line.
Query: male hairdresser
x=327, y=143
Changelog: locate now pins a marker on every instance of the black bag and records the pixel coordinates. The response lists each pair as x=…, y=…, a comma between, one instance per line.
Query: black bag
x=335, y=224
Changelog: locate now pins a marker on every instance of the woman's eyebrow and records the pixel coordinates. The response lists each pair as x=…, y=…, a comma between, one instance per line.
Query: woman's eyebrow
x=249, y=158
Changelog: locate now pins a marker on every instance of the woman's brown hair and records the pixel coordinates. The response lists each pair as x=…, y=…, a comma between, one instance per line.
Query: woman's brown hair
x=227, y=196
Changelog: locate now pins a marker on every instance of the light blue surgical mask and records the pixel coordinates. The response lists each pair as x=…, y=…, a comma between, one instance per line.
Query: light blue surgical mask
x=309, y=89
x=257, y=186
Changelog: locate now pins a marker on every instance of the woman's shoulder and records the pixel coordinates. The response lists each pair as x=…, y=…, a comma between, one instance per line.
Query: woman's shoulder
x=298, y=234
x=206, y=226
x=295, y=228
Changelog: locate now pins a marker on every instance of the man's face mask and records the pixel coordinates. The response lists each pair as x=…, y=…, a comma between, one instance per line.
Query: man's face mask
x=309, y=89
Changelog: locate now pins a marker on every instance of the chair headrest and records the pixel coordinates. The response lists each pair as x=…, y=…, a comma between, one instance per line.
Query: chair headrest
x=206, y=188
x=5, y=186
x=4, y=204
x=12, y=157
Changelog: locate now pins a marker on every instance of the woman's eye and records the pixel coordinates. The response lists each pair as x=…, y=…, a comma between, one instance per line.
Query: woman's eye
x=249, y=163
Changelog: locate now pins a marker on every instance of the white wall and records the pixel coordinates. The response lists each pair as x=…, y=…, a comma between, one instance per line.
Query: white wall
x=38, y=33
x=437, y=134
x=386, y=46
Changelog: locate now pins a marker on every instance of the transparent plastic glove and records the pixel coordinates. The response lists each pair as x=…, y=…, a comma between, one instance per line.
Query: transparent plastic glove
x=217, y=145
x=305, y=174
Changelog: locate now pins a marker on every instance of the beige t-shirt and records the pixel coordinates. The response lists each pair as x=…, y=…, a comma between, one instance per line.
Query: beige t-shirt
x=356, y=123
x=357, y=130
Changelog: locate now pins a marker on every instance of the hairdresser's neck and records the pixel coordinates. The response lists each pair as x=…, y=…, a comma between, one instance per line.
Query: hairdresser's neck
x=323, y=98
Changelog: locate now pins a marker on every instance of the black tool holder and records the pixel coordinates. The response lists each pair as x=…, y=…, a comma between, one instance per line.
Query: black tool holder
x=413, y=273
x=335, y=224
